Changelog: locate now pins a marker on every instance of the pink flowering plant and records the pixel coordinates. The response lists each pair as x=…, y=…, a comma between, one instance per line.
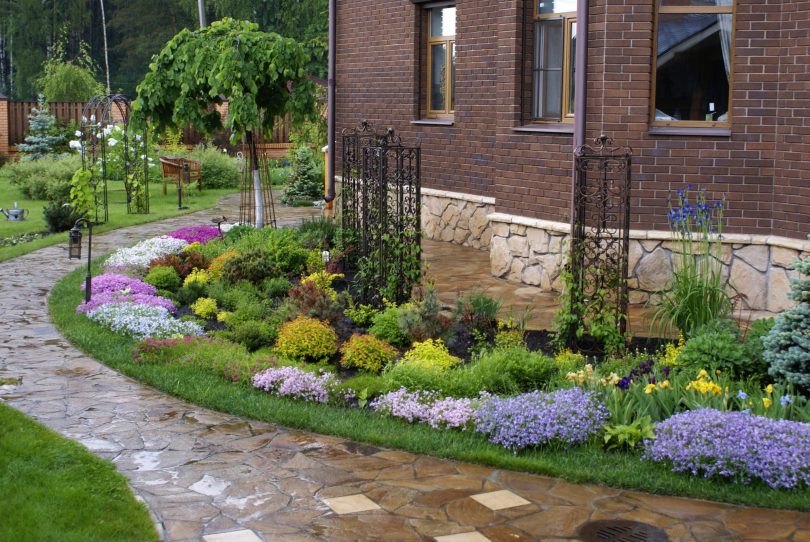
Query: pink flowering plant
x=105, y=298
x=114, y=282
x=296, y=383
x=423, y=406
x=195, y=234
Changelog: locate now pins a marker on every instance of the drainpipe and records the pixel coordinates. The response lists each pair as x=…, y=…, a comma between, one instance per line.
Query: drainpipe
x=580, y=86
x=330, y=106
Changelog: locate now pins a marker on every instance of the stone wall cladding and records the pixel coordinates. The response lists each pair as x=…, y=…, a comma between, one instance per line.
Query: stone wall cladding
x=757, y=268
x=457, y=218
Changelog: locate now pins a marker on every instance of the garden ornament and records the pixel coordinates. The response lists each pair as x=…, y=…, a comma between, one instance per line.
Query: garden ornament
x=15, y=214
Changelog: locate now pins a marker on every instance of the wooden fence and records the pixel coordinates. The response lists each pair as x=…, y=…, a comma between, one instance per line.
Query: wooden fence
x=14, y=125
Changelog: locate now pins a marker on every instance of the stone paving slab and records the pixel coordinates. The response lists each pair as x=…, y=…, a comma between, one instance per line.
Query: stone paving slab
x=204, y=473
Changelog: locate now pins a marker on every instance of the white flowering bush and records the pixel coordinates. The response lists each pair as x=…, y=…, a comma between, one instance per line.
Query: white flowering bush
x=140, y=255
x=142, y=321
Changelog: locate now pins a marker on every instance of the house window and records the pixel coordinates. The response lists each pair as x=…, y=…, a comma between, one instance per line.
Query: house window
x=441, y=60
x=693, y=63
x=555, y=35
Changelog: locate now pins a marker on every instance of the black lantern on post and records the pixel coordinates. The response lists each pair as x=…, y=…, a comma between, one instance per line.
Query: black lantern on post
x=75, y=250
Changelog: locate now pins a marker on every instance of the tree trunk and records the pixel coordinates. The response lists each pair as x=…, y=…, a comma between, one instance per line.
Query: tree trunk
x=258, y=199
x=106, y=58
x=201, y=10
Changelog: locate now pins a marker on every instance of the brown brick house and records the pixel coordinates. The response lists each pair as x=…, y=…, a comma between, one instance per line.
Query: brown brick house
x=709, y=92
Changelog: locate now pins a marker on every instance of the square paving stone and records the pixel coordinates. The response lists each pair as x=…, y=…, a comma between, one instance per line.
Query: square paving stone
x=472, y=536
x=244, y=535
x=500, y=500
x=351, y=504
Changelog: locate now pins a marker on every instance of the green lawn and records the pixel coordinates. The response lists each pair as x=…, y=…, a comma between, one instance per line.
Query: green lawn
x=581, y=464
x=160, y=207
x=52, y=489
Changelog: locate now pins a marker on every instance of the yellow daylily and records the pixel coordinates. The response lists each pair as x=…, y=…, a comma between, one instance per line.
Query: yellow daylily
x=769, y=389
x=767, y=402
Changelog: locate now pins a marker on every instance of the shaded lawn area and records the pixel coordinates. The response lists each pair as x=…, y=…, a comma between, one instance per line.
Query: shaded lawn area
x=53, y=489
x=160, y=207
x=587, y=463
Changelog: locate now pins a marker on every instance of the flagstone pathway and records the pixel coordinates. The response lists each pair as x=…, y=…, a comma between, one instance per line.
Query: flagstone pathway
x=221, y=478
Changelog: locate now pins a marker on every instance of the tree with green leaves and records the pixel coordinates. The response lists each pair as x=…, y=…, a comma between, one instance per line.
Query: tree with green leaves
x=69, y=80
x=260, y=74
x=40, y=140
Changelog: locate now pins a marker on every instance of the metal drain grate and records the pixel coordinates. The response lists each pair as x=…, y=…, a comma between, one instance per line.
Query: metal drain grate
x=621, y=531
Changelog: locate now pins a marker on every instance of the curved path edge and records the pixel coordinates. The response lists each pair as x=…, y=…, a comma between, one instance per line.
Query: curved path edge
x=203, y=472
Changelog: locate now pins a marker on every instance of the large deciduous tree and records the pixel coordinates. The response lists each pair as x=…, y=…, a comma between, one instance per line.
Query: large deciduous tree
x=260, y=74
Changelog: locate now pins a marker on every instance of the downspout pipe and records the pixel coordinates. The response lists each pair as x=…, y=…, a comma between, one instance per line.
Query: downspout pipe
x=580, y=87
x=330, y=105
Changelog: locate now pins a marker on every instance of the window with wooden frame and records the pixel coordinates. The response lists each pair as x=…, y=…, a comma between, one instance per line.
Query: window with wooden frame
x=555, y=35
x=441, y=60
x=693, y=63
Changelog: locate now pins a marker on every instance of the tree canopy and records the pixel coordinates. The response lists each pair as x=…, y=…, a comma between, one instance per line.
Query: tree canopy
x=260, y=74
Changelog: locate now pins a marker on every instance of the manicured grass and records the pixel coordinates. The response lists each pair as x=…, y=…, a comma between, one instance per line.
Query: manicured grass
x=160, y=207
x=581, y=464
x=53, y=489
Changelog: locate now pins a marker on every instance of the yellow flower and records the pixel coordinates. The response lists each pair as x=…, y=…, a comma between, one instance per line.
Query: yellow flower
x=702, y=374
x=649, y=389
x=717, y=372
x=663, y=385
x=767, y=402
x=769, y=388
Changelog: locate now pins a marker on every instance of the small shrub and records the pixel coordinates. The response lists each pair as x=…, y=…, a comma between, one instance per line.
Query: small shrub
x=197, y=276
x=318, y=232
x=385, y=326
x=478, y=310
x=184, y=263
x=513, y=370
x=189, y=294
x=45, y=179
x=364, y=387
x=253, y=334
x=360, y=315
x=754, y=345
x=163, y=278
x=215, y=268
x=306, y=339
x=277, y=287
x=431, y=353
x=509, y=338
x=252, y=265
x=367, y=352
x=306, y=179
x=205, y=308
x=59, y=218
x=217, y=169
x=310, y=300
x=717, y=348
x=415, y=376
x=421, y=320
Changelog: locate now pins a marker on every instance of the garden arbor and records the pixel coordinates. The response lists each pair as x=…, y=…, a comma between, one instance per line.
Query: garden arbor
x=260, y=75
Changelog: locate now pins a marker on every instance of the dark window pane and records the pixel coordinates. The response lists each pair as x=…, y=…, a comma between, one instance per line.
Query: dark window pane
x=452, y=76
x=682, y=3
x=443, y=22
x=556, y=6
x=572, y=59
x=548, y=63
x=693, y=67
x=438, y=72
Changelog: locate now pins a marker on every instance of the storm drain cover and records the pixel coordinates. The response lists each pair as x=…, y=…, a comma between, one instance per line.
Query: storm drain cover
x=621, y=531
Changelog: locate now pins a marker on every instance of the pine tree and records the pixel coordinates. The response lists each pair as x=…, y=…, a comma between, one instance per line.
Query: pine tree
x=40, y=140
x=305, y=182
x=787, y=346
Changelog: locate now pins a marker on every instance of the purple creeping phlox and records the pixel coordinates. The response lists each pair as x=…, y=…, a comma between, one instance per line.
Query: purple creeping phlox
x=735, y=445
x=533, y=419
x=296, y=383
x=106, y=298
x=421, y=406
x=113, y=282
x=196, y=234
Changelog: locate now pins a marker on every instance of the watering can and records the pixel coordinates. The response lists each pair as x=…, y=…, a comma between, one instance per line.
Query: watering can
x=15, y=214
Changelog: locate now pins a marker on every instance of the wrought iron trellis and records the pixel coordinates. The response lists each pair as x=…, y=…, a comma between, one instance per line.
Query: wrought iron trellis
x=600, y=229
x=99, y=116
x=381, y=212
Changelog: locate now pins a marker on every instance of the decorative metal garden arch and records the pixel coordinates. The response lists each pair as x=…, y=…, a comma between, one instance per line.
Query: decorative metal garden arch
x=99, y=116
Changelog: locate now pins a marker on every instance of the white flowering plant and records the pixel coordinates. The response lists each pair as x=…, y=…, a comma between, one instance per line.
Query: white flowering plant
x=138, y=257
x=143, y=321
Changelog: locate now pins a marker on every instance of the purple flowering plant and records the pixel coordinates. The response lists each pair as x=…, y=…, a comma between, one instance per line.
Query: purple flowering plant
x=112, y=296
x=114, y=282
x=296, y=383
x=196, y=234
x=565, y=416
x=427, y=407
x=734, y=445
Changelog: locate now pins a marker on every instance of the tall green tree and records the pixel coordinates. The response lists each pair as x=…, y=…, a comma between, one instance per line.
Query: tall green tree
x=260, y=74
x=65, y=79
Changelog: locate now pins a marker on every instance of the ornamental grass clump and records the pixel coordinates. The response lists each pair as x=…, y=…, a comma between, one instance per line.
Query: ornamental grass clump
x=734, y=445
x=142, y=321
x=697, y=294
x=564, y=417
x=306, y=339
x=296, y=383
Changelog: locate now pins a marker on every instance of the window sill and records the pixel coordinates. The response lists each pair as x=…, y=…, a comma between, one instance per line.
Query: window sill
x=546, y=128
x=433, y=122
x=708, y=131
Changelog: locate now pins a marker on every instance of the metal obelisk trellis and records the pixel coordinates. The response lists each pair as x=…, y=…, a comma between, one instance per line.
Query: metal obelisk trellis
x=381, y=212
x=600, y=229
x=99, y=117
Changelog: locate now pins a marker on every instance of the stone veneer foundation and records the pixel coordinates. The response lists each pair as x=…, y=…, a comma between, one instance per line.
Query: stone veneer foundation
x=532, y=251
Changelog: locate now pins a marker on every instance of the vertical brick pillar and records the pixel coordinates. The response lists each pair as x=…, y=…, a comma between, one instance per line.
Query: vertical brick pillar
x=4, y=142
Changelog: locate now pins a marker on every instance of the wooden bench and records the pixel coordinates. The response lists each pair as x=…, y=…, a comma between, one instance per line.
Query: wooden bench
x=172, y=168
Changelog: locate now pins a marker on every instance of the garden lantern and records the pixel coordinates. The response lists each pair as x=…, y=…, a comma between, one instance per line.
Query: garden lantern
x=75, y=250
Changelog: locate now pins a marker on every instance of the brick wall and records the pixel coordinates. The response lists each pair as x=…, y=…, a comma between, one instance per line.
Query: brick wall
x=759, y=167
x=4, y=143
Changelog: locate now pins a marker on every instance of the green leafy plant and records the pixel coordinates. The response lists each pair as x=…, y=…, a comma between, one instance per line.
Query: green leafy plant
x=511, y=370
x=205, y=308
x=253, y=334
x=60, y=218
x=719, y=346
x=421, y=319
x=276, y=287
x=163, y=277
x=697, y=295
x=367, y=352
x=65, y=79
x=45, y=179
x=318, y=232
x=306, y=339
x=359, y=314
x=431, y=353
x=629, y=436
x=385, y=326
x=82, y=191
x=306, y=180
x=478, y=310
